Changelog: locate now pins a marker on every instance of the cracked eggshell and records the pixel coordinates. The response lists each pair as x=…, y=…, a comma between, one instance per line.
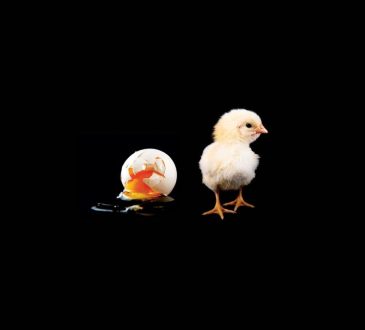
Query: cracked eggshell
x=138, y=160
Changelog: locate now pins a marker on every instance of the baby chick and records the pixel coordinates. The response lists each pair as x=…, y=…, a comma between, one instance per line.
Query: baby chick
x=229, y=163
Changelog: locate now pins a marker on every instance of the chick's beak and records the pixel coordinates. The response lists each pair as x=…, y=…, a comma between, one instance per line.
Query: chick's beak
x=261, y=129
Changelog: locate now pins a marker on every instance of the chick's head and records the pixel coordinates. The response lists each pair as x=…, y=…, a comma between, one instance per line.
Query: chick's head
x=238, y=125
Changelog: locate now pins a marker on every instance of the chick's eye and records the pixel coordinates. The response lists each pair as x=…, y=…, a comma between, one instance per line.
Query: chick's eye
x=248, y=125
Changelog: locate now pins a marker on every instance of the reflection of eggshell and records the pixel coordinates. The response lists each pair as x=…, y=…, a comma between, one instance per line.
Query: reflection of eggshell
x=164, y=164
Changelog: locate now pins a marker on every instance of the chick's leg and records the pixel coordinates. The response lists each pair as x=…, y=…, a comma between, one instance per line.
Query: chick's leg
x=218, y=209
x=239, y=201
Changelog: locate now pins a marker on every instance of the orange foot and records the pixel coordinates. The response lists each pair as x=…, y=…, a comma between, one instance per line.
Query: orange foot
x=239, y=201
x=218, y=209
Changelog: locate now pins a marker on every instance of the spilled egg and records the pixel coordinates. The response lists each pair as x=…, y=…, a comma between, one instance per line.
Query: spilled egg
x=148, y=174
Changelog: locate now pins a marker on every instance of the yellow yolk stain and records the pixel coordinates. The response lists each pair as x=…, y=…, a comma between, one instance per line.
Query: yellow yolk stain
x=136, y=188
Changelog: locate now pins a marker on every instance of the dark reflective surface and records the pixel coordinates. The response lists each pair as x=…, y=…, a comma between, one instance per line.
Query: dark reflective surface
x=149, y=207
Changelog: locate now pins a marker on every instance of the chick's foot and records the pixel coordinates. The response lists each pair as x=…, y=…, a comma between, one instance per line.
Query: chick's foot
x=239, y=201
x=218, y=209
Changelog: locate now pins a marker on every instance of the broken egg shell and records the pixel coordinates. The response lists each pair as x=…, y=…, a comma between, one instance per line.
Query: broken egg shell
x=163, y=163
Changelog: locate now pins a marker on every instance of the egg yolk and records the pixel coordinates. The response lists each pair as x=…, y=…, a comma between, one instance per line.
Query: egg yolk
x=136, y=188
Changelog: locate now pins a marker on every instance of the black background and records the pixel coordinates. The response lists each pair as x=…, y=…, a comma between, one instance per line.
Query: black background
x=165, y=86
x=163, y=83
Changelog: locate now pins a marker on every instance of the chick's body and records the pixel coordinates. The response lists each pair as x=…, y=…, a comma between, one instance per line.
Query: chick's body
x=228, y=166
x=229, y=163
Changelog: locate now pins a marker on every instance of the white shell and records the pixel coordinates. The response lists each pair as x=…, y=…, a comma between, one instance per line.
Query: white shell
x=163, y=162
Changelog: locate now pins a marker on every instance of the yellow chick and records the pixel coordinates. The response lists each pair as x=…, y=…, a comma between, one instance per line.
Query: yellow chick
x=229, y=163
